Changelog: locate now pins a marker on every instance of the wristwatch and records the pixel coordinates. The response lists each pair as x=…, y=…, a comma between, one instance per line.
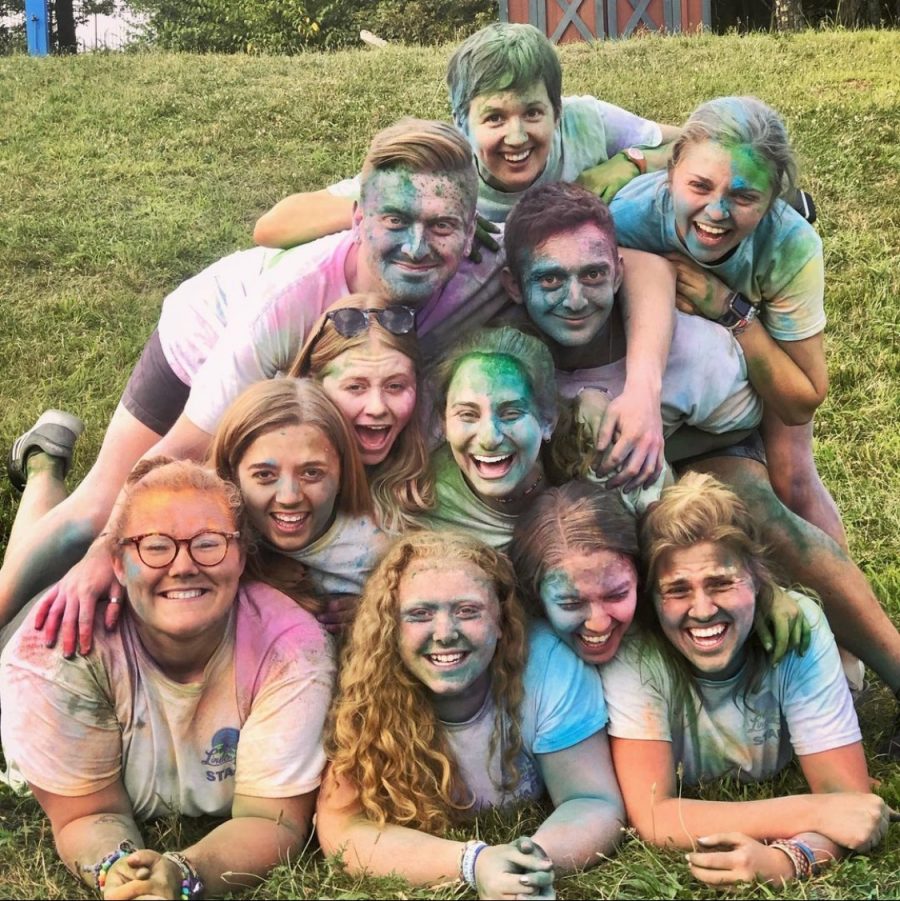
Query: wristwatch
x=739, y=315
x=636, y=155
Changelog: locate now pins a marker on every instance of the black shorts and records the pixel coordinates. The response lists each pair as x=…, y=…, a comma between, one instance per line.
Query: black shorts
x=154, y=395
x=750, y=447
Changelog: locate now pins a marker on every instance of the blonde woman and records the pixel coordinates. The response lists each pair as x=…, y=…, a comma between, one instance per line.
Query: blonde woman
x=365, y=354
x=465, y=708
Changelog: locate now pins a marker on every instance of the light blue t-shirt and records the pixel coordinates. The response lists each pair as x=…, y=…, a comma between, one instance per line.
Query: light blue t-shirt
x=803, y=706
x=778, y=267
x=563, y=705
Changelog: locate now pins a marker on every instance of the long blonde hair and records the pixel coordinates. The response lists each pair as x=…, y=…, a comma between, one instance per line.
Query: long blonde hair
x=384, y=735
x=402, y=485
x=261, y=409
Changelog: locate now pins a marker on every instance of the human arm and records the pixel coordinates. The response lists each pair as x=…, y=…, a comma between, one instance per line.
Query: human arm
x=727, y=858
x=630, y=435
x=790, y=376
x=261, y=833
x=419, y=857
x=587, y=821
x=647, y=776
x=606, y=179
x=303, y=217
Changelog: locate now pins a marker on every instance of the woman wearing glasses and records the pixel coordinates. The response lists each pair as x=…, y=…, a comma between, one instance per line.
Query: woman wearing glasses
x=209, y=699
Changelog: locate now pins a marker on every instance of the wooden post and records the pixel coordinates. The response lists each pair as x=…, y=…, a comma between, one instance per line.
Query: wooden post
x=37, y=27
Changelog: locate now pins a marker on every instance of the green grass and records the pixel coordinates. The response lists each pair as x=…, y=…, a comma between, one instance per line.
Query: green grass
x=121, y=175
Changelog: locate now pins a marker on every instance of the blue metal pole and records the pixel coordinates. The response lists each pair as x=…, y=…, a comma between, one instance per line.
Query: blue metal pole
x=37, y=26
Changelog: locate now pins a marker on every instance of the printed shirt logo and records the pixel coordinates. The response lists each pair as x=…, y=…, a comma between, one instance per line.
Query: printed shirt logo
x=222, y=753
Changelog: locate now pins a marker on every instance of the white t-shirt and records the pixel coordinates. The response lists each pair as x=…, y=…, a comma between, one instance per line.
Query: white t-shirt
x=589, y=132
x=704, y=383
x=563, y=705
x=803, y=707
x=252, y=726
x=277, y=318
x=339, y=562
x=196, y=313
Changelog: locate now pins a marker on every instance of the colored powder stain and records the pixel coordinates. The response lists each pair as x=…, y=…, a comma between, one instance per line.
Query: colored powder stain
x=749, y=170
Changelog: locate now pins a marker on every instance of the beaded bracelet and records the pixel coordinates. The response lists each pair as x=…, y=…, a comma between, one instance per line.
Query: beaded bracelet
x=100, y=869
x=467, y=861
x=797, y=855
x=191, y=884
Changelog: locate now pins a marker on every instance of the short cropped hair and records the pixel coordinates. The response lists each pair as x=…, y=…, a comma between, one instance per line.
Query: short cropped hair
x=548, y=210
x=502, y=57
x=421, y=146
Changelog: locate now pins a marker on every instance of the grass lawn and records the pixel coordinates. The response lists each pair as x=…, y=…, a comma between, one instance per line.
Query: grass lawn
x=122, y=175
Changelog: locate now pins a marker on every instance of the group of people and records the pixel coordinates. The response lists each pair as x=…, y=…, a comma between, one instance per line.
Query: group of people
x=395, y=525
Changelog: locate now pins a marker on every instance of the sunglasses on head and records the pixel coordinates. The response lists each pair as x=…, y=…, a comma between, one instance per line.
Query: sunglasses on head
x=350, y=321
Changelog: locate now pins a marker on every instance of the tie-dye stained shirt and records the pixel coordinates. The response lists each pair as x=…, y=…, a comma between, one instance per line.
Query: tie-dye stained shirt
x=802, y=707
x=252, y=726
x=563, y=705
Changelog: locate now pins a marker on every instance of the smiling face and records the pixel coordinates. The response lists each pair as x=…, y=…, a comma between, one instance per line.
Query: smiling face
x=511, y=134
x=414, y=230
x=589, y=598
x=182, y=601
x=706, y=599
x=449, y=625
x=290, y=478
x=492, y=426
x=569, y=284
x=374, y=386
x=720, y=194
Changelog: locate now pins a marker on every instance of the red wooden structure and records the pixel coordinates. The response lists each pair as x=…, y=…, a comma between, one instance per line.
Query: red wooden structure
x=585, y=20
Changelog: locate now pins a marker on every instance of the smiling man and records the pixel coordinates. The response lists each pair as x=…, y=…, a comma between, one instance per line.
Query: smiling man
x=564, y=267
x=412, y=229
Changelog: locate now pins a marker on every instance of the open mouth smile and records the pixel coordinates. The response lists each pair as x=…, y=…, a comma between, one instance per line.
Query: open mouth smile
x=708, y=637
x=373, y=437
x=447, y=659
x=289, y=523
x=709, y=233
x=183, y=594
x=492, y=466
x=518, y=157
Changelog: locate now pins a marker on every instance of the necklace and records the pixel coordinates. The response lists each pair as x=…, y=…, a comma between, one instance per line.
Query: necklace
x=525, y=493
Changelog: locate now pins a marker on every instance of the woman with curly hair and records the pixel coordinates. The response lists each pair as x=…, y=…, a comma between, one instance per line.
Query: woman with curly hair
x=365, y=354
x=449, y=704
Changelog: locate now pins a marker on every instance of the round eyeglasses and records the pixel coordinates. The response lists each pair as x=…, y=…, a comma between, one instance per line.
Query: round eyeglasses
x=397, y=319
x=158, y=550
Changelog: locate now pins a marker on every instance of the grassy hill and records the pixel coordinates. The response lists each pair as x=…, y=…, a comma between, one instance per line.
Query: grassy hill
x=121, y=175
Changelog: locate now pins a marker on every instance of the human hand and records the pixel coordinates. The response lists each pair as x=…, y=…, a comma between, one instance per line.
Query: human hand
x=790, y=630
x=730, y=857
x=627, y=433
x=607, y=179
x=853, y=820
x=340, y=609
x=697, y=291
x=67, y=609
x=484, y=232
x=517, y=870
x=142, y=874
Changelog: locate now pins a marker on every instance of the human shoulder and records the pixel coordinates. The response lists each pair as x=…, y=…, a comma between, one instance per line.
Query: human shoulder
x=267, y=619
x=783, y=243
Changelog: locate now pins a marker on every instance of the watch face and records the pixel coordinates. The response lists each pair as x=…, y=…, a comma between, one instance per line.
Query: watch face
x=741, y=306
x=635, y=154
